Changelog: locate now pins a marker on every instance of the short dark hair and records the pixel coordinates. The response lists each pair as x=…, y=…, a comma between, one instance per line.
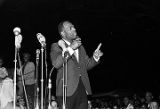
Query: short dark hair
x=60, y=26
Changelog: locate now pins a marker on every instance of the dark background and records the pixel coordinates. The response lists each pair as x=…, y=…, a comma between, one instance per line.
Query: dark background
x=128, y=30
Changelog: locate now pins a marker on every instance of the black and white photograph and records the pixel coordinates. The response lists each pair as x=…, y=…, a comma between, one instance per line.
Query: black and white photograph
x=79, y=54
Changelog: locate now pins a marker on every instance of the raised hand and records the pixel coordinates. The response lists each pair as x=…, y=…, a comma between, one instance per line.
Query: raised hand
x=97, y=53
x=76, y=43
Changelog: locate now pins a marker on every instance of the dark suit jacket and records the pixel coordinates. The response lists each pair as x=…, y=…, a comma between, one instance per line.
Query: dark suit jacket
x=75, y=69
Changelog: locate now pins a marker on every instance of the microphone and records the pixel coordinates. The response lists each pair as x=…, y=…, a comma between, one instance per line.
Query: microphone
x=61, y=43
x=66, y=54
x=41, y=39
x=16, y=31
x=18, y=40
x=37, y=53
x=18, y=37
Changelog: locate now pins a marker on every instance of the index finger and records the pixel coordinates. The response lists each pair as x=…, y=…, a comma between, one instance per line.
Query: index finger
x=99, y=46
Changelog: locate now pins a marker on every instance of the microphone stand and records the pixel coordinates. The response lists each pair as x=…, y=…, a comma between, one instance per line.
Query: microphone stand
x=42, y=79
x=46, y=66
x=17, y=47
x=66, y=56
x=49, y=89
x=36, y=102
x=15, y=70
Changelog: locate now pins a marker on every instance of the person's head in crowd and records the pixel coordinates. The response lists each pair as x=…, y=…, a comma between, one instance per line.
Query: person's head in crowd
x=136, y=100
x=135, y=96
x=89, y=104
x=143, y=106
x=26, y=57
x=148, y=96
x=54, y=105
x=3, y=72
x=142, y=100
x=126, y=101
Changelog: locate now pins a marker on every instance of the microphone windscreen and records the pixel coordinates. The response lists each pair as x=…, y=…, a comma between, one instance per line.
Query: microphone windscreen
x=40, y=37
x=17, y=30
x=18, y=40
x=61, y=43
x=37, y=53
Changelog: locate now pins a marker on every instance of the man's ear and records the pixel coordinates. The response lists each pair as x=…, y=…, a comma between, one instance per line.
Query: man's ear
x=62, y=33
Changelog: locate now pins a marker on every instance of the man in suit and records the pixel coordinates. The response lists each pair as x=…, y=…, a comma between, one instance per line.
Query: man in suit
x=78, y=62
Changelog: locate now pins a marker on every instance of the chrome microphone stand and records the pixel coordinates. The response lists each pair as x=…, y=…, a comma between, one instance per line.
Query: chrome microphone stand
x=36, y=102
x=65, y=66
x=49, y=89
x=42, y=78
x=18, y=40
x=15, y=70
x=42, y=40
x=46, y=71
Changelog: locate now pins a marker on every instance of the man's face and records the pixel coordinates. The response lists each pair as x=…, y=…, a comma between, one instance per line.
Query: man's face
x=26, y=57
x=69, y=30
x=148, y=97
x=2, y=74
x=126, y=100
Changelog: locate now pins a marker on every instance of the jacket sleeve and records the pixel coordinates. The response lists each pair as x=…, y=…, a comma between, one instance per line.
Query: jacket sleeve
x=90, y=62
x=56, y=56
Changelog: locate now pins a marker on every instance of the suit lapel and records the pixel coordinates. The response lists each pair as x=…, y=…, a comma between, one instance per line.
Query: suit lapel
x=75, y=58
x=80, y=54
